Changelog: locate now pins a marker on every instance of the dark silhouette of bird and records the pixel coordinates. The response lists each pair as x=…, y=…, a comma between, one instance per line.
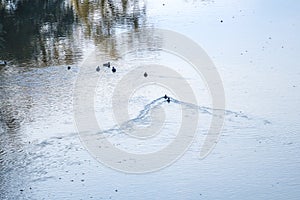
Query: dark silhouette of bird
x=165, y=96
x=145, y=74
x=113, y=69
x=98, y=69
x=69, y=67
x=106, y=64
x=168, y=100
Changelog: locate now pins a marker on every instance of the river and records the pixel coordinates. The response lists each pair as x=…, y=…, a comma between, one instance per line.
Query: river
x=53, y=48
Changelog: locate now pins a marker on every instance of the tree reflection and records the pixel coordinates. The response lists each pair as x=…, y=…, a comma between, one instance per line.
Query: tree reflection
x=48, y=32
x=27, y=25
x=101, y=19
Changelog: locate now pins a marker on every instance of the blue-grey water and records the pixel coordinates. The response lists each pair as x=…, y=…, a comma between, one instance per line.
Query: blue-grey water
x=254, y=45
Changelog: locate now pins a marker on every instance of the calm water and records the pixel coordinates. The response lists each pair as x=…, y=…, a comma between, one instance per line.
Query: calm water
x=254, y=45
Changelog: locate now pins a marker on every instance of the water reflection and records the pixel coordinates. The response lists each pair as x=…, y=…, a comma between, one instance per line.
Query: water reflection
x=28, y=26
x=37, y=102
x=16, y=103
x=45, y=33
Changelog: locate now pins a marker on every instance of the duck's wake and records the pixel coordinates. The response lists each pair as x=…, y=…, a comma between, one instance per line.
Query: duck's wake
x=145, y=118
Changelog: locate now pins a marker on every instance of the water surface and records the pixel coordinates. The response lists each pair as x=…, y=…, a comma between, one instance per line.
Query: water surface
x=254, y=45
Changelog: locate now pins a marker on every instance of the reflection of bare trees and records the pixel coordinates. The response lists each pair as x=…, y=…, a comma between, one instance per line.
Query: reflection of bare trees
x=28, y=26
x=48, y=32
x=101, y=19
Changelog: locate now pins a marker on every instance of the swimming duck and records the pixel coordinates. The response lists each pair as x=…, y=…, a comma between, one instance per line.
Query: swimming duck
x=98, y=69
x=168, y=100
x=113, y=69
x=145, y=74
x=165, y=96
x=106, y=64
x=69, y=67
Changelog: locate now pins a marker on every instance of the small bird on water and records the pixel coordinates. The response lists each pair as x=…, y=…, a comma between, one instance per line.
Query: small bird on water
x=168, y=100
x=106, y=64
x=145, y=74
x=165, y=96
x=69, y=67
x=113, y=69
x=98, y=69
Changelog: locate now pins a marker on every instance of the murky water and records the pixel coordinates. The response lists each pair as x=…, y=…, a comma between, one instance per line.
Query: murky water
x=254, y=45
